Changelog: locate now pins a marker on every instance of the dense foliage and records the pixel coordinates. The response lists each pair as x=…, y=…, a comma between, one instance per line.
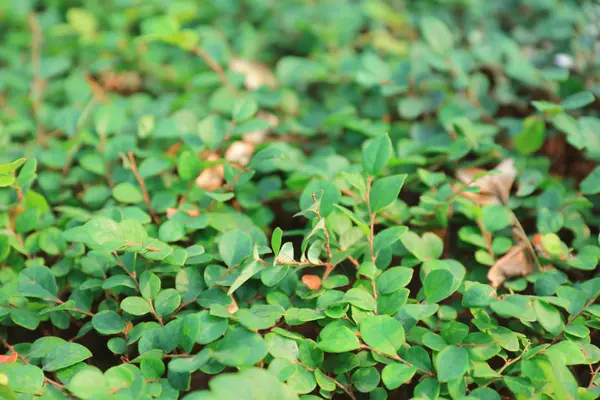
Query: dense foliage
x=256, y=199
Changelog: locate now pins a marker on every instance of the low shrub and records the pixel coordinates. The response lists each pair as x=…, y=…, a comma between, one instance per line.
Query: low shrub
x=252, y=199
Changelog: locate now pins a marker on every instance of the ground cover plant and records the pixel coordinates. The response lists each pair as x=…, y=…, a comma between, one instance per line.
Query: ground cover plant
x=253, y=199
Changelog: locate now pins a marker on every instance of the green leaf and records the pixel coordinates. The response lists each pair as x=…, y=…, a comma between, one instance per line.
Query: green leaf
x=385, y=191
x=248, y=272
x=108, y=322
x=365, y=380
x=266, y=154
x=388, y=237
x=496, y=217
x=106, y=233
x=88, y=383
x=591, y=184
x=549, y=317
x=282, y=347
x=234, y=247
x=478, y=295
x=38, y=282
x=276, y=241
x=64, y=356
x=324, y=381
x=212, y=131
x=393, y=279
x=577, y=100
x=203, y=327
x=240, y=348
x=337, y=339
x=25, y=379
x=360, y=298
x=125, y=192
x=383, y=333
x=166, y=302
x=150, y=285
x=326, y=193
x=437, y=34
x=135, y=306
x=244, y=109
x=6, y=180
x=436, y=285
x=188, y=165
x=12, y=166
x=395, y=375
x=376, y=154
x=154, y=166
x=171, y=231
x=302, y=381
x=428, y=247
x=249, y=383
x=452, y=363
x=531, y=138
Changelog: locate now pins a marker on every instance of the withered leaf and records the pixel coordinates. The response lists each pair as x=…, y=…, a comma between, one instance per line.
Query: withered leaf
x=517, y=262
x=313, y=282
x=256, y=74
x=493, y=188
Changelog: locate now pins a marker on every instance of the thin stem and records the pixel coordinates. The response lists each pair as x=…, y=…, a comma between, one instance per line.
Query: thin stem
x=75, y=309
x=574, y=317
x=329, y=267
x=371, y=237
x=487, y=236
x=120, y=264
x=508, y=364
x=82, y=119
x=216, y=67
x=338, y=384
x=155, y=314
x=37, y=83
x=325, y=232
x=593, y=376
x=397, y=358
x=528, y=243
x=142, y=184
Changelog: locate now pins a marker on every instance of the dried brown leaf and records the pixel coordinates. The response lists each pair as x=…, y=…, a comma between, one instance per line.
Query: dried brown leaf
x=9, y=359
x=514, y=263
x=256, y=74
x=240, y=153
x=211, y=178
x=313, y=282
x=493, y=189
x=172, y=210
x=258, y=136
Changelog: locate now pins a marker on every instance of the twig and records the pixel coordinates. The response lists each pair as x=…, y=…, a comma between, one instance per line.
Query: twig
x=142, y=184
x=487, y=236
x=132, y=275
x=329, y=267
x=593, y=376
x=528, y=243
x=338, y=384
x=574, y=317
x=82, y=119
x=371, y=237
x=508, y=364
x=325, y=232
x=11, y=348
x=37, y=83
x=75, y=309
x=397, y=358
x=155, y=314
x=216, y=67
